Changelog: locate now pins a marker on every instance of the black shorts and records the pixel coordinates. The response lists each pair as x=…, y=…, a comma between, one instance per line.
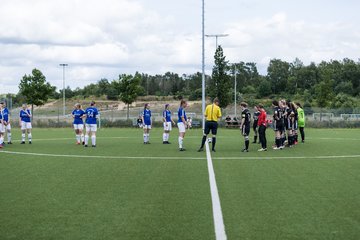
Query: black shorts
x=292, y=125
x=278, y=126
x=211, y=125
x=245, y=130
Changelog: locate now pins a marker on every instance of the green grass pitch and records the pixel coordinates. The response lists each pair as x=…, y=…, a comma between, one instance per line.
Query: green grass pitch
x=124, y=189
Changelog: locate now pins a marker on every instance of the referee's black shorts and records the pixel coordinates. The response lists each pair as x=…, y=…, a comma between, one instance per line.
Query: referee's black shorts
x=211, y=125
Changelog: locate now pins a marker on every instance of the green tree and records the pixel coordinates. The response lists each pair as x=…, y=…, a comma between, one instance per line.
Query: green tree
x=35, y=89
x=130, y=88
x=220, y=83
x=264, y=88
x=324, y=93
x=278, y=74
x=103, y=87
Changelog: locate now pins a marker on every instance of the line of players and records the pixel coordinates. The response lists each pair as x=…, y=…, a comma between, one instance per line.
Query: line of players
x=24, y=123
x=285, y=120
x=90, y=114
x=287, y=117
x=182, y=124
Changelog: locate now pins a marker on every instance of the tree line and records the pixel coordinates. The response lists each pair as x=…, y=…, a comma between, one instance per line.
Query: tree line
x=334, y=83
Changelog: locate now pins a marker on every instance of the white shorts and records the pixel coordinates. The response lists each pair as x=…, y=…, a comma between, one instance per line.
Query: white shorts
x=8, y=127
x=167, y=126
x=25, y=125
x=78, y=126
x=91, y=127
x=181, y=127
x=147, y=126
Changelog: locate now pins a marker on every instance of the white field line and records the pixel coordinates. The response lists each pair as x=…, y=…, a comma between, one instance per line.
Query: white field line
x=217, y=213
x=98, y=156
x=279, y=158
x=177, y=157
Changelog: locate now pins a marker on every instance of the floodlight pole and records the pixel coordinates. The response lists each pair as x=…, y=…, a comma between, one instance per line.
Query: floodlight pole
x=216, y=36
x=203, y=65
x=63, y=65
x=235, y=90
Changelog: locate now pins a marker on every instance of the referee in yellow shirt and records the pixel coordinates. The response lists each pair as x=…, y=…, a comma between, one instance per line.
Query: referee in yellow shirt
x=212, y=114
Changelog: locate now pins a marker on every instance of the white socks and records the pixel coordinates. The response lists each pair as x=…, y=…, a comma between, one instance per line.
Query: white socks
x=9, y=137
x=166, y=137
x=86, y=139
x=23, y=137
x=1, y=140
x=181, y=142
x=146, y=137
x=78, y=138
x=30, y=137
x=82, y=138
x=93, y=140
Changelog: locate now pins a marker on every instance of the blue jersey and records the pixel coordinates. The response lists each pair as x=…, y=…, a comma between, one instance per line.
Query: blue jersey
x=91, y=113
x=181, y=113
x=24, y=115
x=78, y=113
x=5, y=114
x=147, y=116
x=167, y=115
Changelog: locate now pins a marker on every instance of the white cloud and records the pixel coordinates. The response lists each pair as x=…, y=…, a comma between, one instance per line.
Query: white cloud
x=105, y=38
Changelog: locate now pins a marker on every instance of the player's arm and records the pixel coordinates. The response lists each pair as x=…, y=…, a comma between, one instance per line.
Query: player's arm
x=219, y=113
x=183, y=120
x=276, y=115
x=242, y=120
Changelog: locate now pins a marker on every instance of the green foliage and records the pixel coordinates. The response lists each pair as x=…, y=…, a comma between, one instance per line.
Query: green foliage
x=195, y=95
x=220, y=83
x=314, y=83
x=129, y=87
x=344, y=87
x=278, y=73
x=324, y=93
x=35, y=89
x=264, y=89
x=249, y=89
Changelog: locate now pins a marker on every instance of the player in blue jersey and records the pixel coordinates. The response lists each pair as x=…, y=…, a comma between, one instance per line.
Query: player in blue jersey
x=167, y=124
x=2, y=125
x=146, y=118
x=78, y=114
x=25, y=124
x=6, y=116
x=182, y=123
x=91, y=114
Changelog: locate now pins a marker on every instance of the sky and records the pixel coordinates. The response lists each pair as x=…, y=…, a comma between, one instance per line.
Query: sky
x=102, y=39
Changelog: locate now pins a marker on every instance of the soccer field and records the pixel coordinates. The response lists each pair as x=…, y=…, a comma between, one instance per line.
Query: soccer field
x=123, y=189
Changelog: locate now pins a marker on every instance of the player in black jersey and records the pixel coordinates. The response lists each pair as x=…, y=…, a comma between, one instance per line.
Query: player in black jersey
x=245, y=124
x=283, y=106
x=290, y=122
x=255, y=123
x=278, y=124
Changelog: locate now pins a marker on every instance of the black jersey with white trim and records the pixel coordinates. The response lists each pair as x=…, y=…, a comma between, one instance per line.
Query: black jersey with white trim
x=246, y=115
